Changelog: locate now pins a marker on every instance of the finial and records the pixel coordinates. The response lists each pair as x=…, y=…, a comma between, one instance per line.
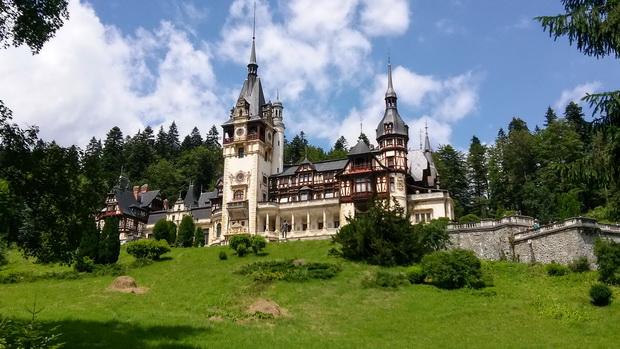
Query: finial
x=254, y=23
x=420, y=139
x=390, y=90
x=361, y=125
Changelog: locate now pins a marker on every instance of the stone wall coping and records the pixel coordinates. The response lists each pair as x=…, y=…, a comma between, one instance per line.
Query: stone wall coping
x=492, y=224
x=570, y=223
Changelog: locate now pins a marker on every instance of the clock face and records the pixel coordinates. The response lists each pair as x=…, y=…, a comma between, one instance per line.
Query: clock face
x=240, y=131
x=240, y=177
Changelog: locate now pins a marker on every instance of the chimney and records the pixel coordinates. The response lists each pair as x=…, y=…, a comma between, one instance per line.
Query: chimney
x=136, y=189
x=144, y=188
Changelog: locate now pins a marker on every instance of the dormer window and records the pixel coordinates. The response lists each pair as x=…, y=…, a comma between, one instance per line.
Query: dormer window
x=388, y=127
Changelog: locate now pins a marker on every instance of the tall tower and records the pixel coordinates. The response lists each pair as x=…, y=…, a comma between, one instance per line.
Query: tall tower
x=393, y=137
x=252, y=147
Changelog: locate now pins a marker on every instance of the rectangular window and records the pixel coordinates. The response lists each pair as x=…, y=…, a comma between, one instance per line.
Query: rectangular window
x=336, y=224
x=399, y=141
x=329, y=193
x=240, y=152
x=417, y=218
x=392, y=186
x=390, y=162
x=428, y=217
x=362, y=185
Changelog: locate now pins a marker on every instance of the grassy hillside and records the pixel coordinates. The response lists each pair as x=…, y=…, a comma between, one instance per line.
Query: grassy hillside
x=526, y=308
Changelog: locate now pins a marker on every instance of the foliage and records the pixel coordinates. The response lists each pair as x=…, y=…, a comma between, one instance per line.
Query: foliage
x=455, y=269
x=579, y=265
x=385, y=236
x=199, y=237
x=258, y=243
x=4, y=260
x=385, y=279
x=241, y=244
x=187, y=229
x=470, y=218
x=148, y=248
x=607, y=254
x=289, y=270
x=223, y=255
x=31, y=22
x=15, y=333
x=600, y=295
x=452, y=166
x=89, y=245
x=109, y=245
x=555, y=269
x=415, y=274
x=84, y=264
x=165, y=230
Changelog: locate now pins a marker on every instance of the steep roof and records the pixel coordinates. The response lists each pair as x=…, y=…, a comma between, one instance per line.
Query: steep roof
x=359, y=148
x=323, y=166
x=391, y=115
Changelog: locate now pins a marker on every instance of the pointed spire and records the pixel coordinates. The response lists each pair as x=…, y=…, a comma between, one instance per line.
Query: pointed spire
x=427, y=142
x=253, y=66
x=390, y=90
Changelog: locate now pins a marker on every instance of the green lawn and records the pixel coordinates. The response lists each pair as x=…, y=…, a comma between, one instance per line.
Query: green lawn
x=526, y=308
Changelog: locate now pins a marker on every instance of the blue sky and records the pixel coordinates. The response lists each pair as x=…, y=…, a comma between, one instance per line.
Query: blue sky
x=462, y=67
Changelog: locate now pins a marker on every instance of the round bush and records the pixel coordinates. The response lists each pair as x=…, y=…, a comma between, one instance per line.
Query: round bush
x=223, y=256
x=415, y=274
x=600, y=295
x=148, y=248
x=258, y=243
x=84, y=265
x=454, y=269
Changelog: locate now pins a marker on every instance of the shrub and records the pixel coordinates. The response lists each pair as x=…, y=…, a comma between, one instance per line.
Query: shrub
x=84, y=265
x=470, y=218
x=148, y=248
x=580, y=265
x=386, y=279
x=289, y=270
x=384, y=235
x=600, y=295
x=223, y=256
x=555, y=269
x=187, y=229
x=258, y=243
x=607, y=254
x=3, y=254
x=199, y=237
x=415, y=274
x=240, y=244
x=454, y=269
x=165, y=230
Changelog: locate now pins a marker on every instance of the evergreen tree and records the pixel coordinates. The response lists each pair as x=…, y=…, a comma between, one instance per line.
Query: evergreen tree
x=139, y=156
x=550, y=116
x=112, y=158
x=192, y=140
x=574, y=115
x=167, y=177
x=89, y=245
x=477, y=164
x=165, y=230
x=109, y=245
x=451, y=165
x=173, y=144
x=364, y=138
x=161, y=144
x=199, y=237
x=213, y=138
x=341, y=144
x=187, y=229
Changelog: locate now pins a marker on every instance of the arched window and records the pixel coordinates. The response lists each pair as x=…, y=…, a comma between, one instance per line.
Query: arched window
x=238, y=195
x=219, y=230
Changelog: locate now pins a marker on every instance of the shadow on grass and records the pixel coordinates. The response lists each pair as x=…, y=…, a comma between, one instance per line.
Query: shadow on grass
x=92, y=334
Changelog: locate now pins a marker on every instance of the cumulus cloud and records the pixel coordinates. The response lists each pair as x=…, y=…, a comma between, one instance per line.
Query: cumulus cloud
x=385, y=17
x=422, y=100
x=90, y=78
x=577, y=93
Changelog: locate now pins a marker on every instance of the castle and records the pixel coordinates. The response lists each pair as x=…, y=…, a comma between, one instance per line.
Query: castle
x=259, y=194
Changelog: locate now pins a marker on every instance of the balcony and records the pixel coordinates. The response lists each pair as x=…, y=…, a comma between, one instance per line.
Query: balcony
x=238, y=209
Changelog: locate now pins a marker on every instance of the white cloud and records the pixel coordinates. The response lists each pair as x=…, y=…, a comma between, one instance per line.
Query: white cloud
x=90, y=78
x=576, y=94
x=385, y=17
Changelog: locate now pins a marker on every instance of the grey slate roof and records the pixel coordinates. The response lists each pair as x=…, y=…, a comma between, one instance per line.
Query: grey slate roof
x=359, y=148
x=155, y=217
x=398, y=125
x=147, y=198
x=127, y=203
x=201, y=213
x=323, y=166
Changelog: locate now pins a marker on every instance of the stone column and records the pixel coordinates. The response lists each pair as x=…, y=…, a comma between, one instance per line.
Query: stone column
x=308, y=221
x=324, y=220
x=267, y=223
x=292, y=222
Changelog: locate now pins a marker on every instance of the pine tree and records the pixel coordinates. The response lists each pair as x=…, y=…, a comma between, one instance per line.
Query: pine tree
x=341, y=144
x=451, y=165
x=89, y=245
x=550, y=116
x=476, y=161
x=364, y=138
x=213, y=138
x=112, y=158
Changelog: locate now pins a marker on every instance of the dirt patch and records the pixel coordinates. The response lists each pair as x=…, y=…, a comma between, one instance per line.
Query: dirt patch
x=126, y=284
x=268, y=307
